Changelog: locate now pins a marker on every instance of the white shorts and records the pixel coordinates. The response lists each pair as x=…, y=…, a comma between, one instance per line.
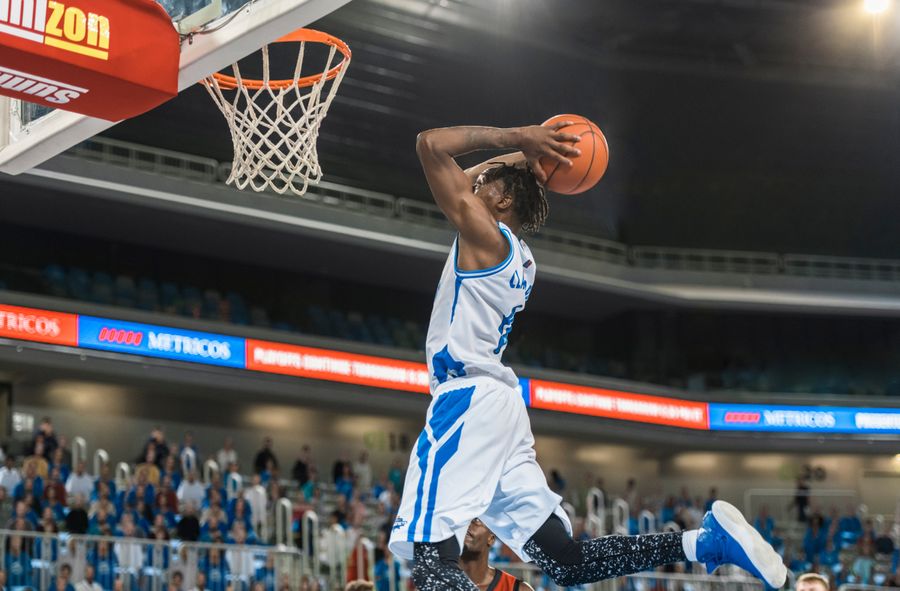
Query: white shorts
x=474, y=458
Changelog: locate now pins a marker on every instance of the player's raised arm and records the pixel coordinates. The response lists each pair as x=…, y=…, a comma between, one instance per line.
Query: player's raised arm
x=452, y=187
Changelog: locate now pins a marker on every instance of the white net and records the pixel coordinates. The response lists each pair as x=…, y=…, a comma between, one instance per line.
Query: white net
x=275, y=123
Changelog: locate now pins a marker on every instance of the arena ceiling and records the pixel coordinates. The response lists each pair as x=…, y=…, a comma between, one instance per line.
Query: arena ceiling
x=735, y=124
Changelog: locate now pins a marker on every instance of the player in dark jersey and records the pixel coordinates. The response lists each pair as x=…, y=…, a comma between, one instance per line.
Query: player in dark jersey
x=474, y=562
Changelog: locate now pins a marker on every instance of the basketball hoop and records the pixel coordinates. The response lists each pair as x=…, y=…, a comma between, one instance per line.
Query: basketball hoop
x=275, y=123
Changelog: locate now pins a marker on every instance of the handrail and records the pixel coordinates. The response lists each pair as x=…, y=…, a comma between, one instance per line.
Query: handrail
x=309, y=530
x=620, y=516
x=284, y=515
x=365, y=545
x=187, y=166
x=79, y=451
x=101, y=457
x=210, y=468
x=595, y=503
x=123, y=475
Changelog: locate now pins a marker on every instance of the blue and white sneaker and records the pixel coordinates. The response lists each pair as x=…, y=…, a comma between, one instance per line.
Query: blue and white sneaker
x=726, y=538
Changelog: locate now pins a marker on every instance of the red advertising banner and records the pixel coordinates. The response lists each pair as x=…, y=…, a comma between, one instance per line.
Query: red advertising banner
x=29, y=324
x=335, y=366
x=614, y=404
x=104, y=58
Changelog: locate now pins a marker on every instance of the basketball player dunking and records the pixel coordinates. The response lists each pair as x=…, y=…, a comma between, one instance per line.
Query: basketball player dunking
x=475, y=456
x=474, y=562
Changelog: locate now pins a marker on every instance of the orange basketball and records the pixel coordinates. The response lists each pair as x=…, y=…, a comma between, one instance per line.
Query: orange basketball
x=588, y=168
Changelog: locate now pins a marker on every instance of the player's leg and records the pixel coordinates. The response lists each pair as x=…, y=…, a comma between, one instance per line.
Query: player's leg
x=526, y=515
x=724, y=538
x=451, y=479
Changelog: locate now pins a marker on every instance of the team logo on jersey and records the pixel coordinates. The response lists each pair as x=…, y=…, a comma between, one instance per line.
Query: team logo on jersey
x=400, y=523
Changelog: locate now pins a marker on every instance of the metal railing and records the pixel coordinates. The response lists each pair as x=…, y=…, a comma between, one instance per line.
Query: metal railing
x=208, y=170
x=36, y=559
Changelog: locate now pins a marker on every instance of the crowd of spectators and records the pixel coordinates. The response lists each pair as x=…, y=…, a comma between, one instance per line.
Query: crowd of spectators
x=166, y=498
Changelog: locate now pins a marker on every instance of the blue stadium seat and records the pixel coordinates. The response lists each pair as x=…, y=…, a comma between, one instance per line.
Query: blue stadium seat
x=193, y=302
x=379, y=330
x=340, y=324
x=358, y=329
x=102, y=288
x=170, y=298
x=237, y=308
x=126, y=291
x=319, y=322
x=55, y=278
x=147, y=294
x=212, y=305
x=78, y=284
x=259, y=317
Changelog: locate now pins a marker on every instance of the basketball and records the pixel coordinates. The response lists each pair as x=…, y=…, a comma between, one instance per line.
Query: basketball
x=588, y=168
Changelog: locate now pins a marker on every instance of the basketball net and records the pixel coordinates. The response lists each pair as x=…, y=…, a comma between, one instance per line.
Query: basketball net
x=275, y=123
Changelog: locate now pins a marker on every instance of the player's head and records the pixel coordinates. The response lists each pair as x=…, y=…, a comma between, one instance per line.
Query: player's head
x=514, y=191
x=478, y=541
x=813, y=582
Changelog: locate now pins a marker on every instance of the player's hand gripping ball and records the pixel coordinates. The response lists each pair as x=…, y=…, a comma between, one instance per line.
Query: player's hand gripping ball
x=587, y=168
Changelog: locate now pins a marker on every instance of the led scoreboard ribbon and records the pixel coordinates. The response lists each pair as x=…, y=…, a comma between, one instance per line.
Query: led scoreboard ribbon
x=149, y=340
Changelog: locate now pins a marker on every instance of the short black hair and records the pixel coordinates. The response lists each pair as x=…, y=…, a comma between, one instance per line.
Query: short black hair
x=529, y=197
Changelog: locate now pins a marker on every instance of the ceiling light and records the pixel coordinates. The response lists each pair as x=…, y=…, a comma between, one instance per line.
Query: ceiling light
x=876, y=6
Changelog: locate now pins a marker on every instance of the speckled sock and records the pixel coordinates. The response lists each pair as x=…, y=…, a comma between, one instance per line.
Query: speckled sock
x=436, y=568
x=576, y=563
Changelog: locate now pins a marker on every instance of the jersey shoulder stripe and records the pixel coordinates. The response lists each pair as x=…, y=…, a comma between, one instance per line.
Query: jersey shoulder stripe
x=490, y=270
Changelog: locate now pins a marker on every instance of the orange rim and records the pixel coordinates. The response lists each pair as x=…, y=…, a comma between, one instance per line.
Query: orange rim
x=301, y=35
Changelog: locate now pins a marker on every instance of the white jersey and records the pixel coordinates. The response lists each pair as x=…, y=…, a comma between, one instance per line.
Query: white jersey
x=473, y=315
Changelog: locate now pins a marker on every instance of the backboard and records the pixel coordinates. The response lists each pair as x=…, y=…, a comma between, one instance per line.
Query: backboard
x=224, y=32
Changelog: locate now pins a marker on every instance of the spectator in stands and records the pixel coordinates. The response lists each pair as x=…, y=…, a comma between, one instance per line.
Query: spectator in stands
x=240, y=560
x=188, y=454
x=63, y=581
x=80, y=482
x=47, y=437
x=239, y=512
x=166, y=511
x=850, y=525
x=171, y=471
x=17, y=564
x=387, y=496
x=158, y=443
x=200, y=582
x=213, y=507
x=269, y=473
x=129, y=555
x=337, y=470
x=801, y=499
x=213, y=530
x=227, y=456
x=300, y=471
x=215, y=569
x=265, y=575
x=264, y=456
x=362, y=472
x=215, y=486
x=893, y=580
x=812, y=582
x=76, y=518
x=58, y=462
x=396, y=475
x=234, y=482
x=713, y=495
x=88, y=584
x=23, y=511
x=103, y=563
x=191, y=490
x=884, y=544
x=868, y=531
x=557, y=482
x=359, y=585
x=53, y=503
x=344, y=483
x=104, y=478
x=176, y=581
x=814, y=539
x=256, y=497
x=102, y=522
x=166, y=490
x=9, y=475
x=36, y=465
x=55, y=480
x=764, y=523
x=188, y=527
x=148, y=471
x=864, y=564
x=667, y=513
x=102, y=500
x=311, y=488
